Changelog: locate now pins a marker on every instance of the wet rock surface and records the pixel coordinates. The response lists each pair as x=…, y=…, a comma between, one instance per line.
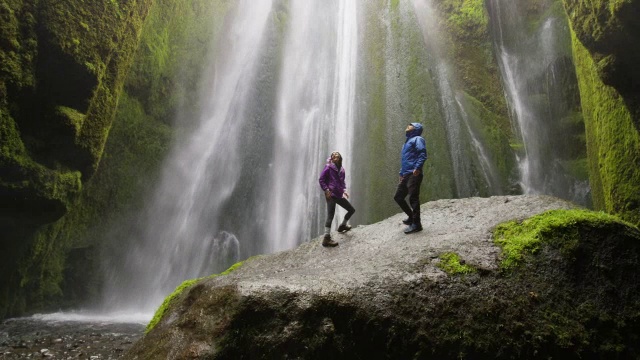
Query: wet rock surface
x=30, y=338
x=381, y=294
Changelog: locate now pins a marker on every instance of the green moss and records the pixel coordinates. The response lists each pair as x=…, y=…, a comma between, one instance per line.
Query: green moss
x=613, y=141
x=74, y=118
x=100, y=82
x=452, y=265
x=173, y=52
x=52, y=135
x=136, y=142
x=185, y=285
x=466, y=35
x=520, y=238
x=469, y=17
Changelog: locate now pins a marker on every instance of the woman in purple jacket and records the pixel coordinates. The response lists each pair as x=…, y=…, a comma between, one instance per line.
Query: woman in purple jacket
x=332, y=183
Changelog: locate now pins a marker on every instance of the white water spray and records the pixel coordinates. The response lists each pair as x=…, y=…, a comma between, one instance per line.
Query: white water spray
x=457, y=134
x=183, y=234
x=316, y=115
x=178, y=239
x=531, y=61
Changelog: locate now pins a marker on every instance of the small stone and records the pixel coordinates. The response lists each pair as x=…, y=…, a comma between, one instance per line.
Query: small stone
x=44, y=351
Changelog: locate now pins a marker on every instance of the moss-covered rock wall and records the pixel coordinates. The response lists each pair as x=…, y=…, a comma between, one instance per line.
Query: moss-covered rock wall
x=606, y=58
x=62, y=68
x=469, y=44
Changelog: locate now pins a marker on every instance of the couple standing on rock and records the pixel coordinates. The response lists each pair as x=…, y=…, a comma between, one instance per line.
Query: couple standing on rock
x=332, y=182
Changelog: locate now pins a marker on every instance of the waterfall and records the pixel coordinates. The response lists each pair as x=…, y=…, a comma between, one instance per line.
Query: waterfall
x=461, y=140
x=243, y=179
x=180, y=229
x=487, y=165
x=291, y=81
x=535, y=62
x=316, y=115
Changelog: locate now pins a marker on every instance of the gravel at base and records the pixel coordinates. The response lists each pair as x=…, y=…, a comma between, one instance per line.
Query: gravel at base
x=27, y=338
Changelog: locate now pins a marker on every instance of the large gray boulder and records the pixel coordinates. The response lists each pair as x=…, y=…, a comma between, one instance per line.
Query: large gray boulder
x=443, y=293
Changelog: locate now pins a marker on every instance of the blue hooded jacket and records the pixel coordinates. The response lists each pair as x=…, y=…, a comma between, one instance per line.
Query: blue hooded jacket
x=414, y=151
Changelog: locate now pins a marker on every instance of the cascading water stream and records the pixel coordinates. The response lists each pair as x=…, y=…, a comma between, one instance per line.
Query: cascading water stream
x=455, y=123
x=195, y=221
x=176, y=240
x=536, y=67
x=487, y=166
x=316, y=115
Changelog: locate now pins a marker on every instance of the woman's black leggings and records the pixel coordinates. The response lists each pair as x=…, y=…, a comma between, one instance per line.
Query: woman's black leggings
x=331, y=209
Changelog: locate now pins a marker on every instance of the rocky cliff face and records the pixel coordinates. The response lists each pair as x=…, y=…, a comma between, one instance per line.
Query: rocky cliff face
x=563, y=284
x=62, y=67
x=606, y=56
x=609, y=30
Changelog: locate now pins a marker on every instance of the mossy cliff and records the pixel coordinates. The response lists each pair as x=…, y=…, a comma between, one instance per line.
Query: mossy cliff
x=60, y=263
x=62, y=69
x=606, y=57
x=469, y=43
x=63, y=66
x=503, y=277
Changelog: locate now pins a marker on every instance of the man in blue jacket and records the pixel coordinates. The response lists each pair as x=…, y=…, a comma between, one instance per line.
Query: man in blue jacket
x=414, y=154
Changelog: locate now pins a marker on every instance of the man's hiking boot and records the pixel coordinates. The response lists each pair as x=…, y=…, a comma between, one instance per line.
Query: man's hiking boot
x=328, y=242
x=344, y=228
x=413, y=228
x=407, y=221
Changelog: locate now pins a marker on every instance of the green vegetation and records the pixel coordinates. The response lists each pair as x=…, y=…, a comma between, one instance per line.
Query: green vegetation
x=469, y=18
x=613, y=142
x=476, y=70
x=62, y=68
x=54, y=135
x=561, y=227
x=173, y=51
x=186, y=284
x=452, y=265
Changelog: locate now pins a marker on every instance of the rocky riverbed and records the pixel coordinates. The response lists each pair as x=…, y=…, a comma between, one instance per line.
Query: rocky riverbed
x=54, y=337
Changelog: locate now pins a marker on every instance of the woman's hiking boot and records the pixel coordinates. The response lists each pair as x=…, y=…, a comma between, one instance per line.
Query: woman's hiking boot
x=343, y=228
x=328, y=242
x=407, y=221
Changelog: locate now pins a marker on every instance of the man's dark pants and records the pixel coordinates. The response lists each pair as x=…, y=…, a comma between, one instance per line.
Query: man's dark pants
x=410, y=184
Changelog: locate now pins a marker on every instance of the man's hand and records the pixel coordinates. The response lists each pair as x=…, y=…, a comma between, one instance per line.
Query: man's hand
x=416, y=172
x=346, y=195
x=327, y=194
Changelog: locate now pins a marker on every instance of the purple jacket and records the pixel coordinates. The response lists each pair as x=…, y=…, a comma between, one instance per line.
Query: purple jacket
x=333, y=179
